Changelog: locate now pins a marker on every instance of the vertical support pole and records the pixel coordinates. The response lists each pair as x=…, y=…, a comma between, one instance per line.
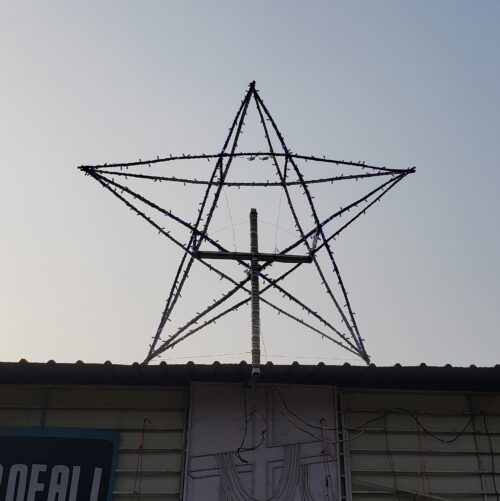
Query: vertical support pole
x=254, y=278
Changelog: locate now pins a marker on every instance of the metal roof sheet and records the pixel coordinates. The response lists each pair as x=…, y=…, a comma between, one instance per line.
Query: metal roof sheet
x=420, y=377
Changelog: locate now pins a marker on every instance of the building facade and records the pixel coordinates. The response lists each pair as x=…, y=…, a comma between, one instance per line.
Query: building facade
x=208, y=432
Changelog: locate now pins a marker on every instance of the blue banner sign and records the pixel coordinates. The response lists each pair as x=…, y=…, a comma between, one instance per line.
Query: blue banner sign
x=57, y=464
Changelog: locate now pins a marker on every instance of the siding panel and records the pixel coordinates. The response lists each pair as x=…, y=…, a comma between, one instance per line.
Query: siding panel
x=122, y=409
x=393, y=457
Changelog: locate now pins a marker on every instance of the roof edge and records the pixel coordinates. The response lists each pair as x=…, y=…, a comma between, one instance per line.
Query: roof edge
x=421, y=377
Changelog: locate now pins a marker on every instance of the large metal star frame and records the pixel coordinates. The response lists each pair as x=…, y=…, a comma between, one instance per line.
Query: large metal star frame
x=316, y=238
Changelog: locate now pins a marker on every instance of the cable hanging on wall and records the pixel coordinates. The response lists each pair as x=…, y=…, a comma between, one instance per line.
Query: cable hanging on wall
x=315, y=232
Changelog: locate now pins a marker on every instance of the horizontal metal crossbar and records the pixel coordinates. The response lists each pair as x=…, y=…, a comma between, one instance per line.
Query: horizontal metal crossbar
x=247, y=256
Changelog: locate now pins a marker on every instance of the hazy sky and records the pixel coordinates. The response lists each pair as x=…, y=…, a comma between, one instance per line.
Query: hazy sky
x=396, y=83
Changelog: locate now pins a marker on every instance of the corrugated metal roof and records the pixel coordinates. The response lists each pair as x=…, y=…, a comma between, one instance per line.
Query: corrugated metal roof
x=420, y=377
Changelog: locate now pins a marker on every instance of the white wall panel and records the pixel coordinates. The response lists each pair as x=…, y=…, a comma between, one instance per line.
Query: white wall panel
x=277, y=443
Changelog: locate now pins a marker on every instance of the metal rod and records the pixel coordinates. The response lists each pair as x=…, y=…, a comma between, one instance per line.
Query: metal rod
x=254, y=277
x=252, y=184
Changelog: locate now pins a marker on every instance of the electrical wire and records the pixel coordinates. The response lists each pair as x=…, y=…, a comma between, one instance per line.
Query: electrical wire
x=390, y=458
x=423, y=468
x=230, y=217
x=415, y=494
x=240, y=448
x=263, y=343
x=323, y=428
x=191, y=357
x=430, y=433
x=276, y=250
x=319, y=438
x=492, y=453
x=140, y=459
x=326, y=468
x=384, y=414
x=245, y=432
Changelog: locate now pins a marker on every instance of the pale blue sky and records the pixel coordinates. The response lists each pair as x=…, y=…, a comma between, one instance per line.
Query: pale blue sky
x=396, y=83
